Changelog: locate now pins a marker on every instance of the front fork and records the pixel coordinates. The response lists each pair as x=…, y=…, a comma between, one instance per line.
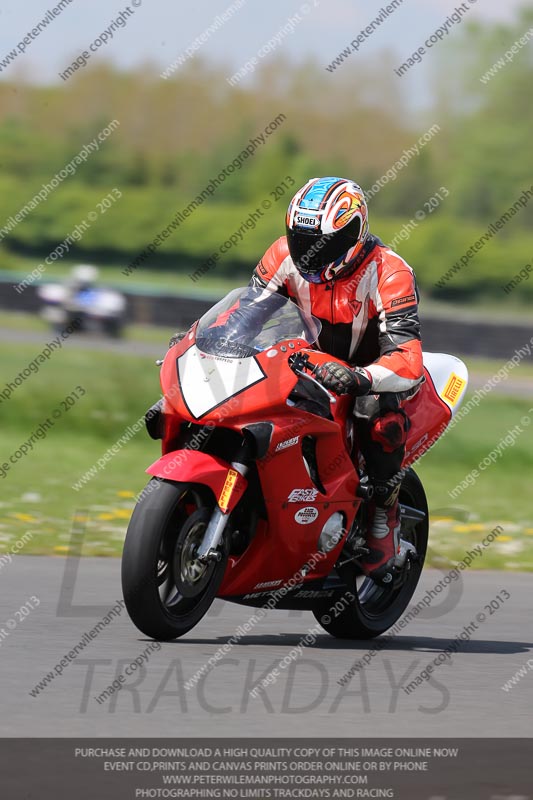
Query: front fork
x=208, y=549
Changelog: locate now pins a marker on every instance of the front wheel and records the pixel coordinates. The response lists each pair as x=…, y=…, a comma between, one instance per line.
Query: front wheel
x=113, y=327
x=365, y=609
x=166, y=589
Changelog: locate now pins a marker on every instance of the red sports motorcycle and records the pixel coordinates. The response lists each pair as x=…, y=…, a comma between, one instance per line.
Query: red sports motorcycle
x=260, y=496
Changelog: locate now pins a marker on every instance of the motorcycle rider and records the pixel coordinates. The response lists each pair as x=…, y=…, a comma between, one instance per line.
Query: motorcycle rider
x=365, y=295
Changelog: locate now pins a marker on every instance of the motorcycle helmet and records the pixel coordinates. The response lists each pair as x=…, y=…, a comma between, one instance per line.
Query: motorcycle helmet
x=83, y=276
x=327, y=227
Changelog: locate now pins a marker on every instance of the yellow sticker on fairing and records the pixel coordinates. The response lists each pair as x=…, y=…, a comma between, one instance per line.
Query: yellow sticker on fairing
x=453, y=389
x=227, y=489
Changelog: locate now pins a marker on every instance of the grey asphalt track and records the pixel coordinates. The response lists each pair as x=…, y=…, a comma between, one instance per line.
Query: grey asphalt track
x=463, y=698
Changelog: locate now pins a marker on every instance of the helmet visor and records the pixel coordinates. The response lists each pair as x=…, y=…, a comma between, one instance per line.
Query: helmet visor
x=311, y=253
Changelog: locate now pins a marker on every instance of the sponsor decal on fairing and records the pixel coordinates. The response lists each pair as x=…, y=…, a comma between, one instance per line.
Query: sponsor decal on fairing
x=303, y=496
x=287, y=443
x=307, y=515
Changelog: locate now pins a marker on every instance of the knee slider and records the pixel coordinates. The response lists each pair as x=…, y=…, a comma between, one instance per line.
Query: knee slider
x=390, y=431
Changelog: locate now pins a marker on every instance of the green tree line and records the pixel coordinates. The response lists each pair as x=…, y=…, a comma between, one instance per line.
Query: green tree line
x=176, y=136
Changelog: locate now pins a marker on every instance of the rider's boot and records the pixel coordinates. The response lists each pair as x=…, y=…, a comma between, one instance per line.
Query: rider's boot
x=383, y=539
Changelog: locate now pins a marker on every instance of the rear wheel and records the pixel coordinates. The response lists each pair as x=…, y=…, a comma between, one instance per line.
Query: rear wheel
x=166, y=589
x=374, y=609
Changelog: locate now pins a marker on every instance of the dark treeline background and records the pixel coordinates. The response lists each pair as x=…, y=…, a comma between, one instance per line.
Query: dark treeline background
x=177, y=134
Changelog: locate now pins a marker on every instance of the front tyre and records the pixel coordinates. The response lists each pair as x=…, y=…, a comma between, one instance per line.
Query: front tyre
x=366, y=609
x=166, y=590
x=113, y=327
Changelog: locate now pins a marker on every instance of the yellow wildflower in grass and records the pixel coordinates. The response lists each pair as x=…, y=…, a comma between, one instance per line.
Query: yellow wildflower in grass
x=24, y=517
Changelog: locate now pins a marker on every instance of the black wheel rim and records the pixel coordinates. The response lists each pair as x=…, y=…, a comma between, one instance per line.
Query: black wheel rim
x=174, y=603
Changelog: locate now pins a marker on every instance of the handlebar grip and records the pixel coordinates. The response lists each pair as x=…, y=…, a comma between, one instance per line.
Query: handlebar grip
x=301, y=361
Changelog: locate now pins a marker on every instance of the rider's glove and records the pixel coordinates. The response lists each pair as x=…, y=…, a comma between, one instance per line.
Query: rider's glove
x=343, y=380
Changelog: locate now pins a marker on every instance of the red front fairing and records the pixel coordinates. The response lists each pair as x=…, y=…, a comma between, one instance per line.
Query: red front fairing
x=252, y=404
x=192, y=466
x=260, y=401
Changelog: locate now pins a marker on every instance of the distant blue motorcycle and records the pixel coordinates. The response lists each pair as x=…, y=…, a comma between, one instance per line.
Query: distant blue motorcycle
x=96, y=309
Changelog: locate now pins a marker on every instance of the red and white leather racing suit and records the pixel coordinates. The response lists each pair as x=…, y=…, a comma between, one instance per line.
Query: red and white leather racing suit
x=369, y=318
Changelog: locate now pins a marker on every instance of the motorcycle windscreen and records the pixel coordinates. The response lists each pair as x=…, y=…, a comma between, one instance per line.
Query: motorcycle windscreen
x=207, y=381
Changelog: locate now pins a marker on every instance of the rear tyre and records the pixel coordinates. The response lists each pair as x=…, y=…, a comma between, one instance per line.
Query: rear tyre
x=166, y=590
x=374, y=609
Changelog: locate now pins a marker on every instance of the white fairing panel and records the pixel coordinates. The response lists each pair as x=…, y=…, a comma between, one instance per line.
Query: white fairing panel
x=109, y=302
x=450, y=377
x=52, y=293
x=207, y=381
